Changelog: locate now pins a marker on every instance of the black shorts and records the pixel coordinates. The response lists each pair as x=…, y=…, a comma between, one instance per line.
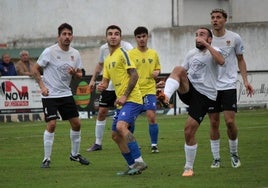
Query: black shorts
x=107, y=99
x=226, y=101
x=198, y=103
x=65, y=106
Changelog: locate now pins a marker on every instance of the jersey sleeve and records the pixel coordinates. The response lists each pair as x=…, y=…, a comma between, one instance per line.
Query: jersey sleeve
x=44, y=58
x=79, y=63
x=157, y=64
x=129, y=63
x=239, y=47
x=105, y=71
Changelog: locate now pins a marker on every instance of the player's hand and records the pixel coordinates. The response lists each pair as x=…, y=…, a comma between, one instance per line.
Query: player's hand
x=100, y=87
x=155, y=74
x=160, y=84
x=121, y=100
x=72, y=71
x=250, y=90
x=44, y=91
x=201, y=41
x=91, y=85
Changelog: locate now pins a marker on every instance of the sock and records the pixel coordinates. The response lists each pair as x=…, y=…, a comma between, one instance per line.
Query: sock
x=99, y=130
x=170, y=87
x=190, y=153
x=215, y=148
x=134, y=150
x=153, y=130
x=48, y=142
x=233, y=145
x=128, y=158
x=75, y=137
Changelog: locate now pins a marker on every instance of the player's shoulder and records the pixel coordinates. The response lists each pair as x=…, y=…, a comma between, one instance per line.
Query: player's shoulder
x=151, y=50
x=232, y=33
x=104, y=46
x=126, y=45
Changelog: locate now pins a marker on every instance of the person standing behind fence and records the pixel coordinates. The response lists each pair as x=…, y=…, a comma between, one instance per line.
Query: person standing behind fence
x=60, y=63
x=148, y=68
x=7, y=68
x=24, y=67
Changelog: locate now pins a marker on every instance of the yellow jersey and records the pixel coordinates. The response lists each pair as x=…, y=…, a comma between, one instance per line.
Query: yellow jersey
x=146, y=63
x=115, y=69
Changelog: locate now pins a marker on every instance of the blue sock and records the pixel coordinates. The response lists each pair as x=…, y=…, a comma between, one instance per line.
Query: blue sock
x=153, y=130
x=128, y=158
x=134, y=149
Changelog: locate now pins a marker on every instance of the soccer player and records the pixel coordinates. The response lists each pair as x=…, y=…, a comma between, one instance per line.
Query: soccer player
x=148, y=67
x=107, y=97
x=232, y=46
x=60, y=63
x=122, y=72
x=195, y=83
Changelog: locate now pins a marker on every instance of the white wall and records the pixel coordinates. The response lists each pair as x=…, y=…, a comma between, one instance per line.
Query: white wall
x=172, y=44
x=39, y=19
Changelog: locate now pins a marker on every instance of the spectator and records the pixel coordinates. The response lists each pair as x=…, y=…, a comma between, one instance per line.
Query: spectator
x=7, y=68
x=24, y=68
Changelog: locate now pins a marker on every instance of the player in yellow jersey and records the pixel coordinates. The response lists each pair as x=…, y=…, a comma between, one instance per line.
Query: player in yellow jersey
x=148, y=67
x=122, y=72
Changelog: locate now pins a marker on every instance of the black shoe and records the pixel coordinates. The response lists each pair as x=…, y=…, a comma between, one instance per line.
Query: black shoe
x=155, y=149
x=79, y=159
x=45, y=163
x=95, y=147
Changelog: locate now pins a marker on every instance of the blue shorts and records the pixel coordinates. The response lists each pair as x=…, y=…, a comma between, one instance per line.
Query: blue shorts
x=128, y=113
x=149, y=102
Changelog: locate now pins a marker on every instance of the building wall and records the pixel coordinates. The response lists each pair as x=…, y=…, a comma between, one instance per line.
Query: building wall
x=35, y=19
x=172, y=44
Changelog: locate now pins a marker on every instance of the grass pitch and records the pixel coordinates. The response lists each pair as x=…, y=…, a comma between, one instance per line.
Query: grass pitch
x=21, y=153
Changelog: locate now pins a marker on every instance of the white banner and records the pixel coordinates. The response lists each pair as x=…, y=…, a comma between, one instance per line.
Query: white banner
x=19, y=94
x=259, y=81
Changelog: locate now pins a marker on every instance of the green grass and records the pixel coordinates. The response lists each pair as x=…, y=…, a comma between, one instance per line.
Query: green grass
x=21, y=153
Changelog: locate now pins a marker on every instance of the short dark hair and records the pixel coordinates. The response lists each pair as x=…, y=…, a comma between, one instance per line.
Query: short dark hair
x=140, y=30
x=113, y=27
x=209, y=31
x=219, y=10
x=64, y=26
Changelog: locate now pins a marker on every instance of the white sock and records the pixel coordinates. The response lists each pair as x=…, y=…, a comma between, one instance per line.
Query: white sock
x=48, y=143
x=215, y=148
x=99, y=130
x=190, y=153
x=139, y=159
x=233, y=145
x=170, y=87
x=75, y=137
